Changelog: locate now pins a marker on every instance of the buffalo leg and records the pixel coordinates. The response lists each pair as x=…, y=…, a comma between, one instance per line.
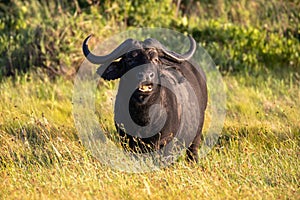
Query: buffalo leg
x=192, y=151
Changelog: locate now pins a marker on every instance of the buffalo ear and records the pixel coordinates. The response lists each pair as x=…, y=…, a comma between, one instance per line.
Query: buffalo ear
x=113, y=71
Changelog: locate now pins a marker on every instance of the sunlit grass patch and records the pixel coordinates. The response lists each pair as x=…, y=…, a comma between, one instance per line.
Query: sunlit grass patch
x=257, y=155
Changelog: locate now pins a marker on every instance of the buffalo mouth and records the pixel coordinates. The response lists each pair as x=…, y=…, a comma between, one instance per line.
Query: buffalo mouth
x=145, y=87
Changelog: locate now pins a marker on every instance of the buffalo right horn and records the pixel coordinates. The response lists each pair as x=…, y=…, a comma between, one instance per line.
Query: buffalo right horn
x=120, y=50
x=176, y=56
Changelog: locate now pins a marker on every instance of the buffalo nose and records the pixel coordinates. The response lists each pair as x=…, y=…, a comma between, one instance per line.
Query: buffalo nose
x=146, y=76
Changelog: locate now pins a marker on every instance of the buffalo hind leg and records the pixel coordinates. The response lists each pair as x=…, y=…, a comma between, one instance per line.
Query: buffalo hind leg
x=192, y=151
x=192, y=155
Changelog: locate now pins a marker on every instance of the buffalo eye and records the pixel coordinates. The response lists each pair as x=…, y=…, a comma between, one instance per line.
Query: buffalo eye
x=156, y=60
x=134, y=54
x=153, y=55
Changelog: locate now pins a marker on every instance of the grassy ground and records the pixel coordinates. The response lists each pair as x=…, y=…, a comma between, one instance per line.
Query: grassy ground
x=257, y=156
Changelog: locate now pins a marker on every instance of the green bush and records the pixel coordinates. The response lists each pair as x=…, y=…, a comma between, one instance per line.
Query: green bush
x=236, y=48
x=37, y=34
x=243, y=35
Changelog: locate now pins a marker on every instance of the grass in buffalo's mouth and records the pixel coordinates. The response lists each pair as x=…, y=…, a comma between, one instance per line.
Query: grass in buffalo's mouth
x=257, y=155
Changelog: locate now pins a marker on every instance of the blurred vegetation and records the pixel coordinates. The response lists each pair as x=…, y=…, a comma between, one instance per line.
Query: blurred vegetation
x=239, y=35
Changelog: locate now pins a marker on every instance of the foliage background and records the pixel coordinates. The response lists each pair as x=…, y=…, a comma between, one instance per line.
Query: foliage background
x=255, y=45
x=239, y=35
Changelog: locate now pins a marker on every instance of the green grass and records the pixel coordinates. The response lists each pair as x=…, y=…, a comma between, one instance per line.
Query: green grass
x=257, y=155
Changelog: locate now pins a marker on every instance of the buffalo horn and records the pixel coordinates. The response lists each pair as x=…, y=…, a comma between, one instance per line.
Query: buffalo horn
x=120, y=50
x=185, y=56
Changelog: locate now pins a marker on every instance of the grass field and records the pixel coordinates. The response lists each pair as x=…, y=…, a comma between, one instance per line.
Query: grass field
x=257, y=155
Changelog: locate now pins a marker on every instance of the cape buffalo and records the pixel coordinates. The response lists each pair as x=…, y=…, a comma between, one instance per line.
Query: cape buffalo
x=151, y=63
